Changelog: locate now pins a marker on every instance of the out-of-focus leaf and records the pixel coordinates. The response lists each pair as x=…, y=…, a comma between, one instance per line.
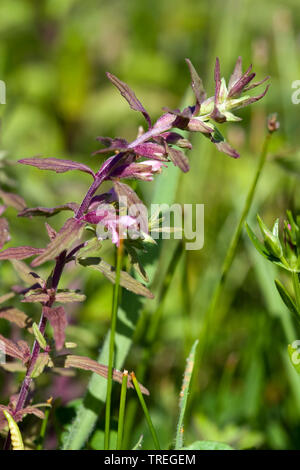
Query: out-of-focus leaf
x=58, y=320
x=20, y=252
x=19, y=350
x=48, y=211
x=6, y=297
x=4, y=232
x=208, y=445
x=16, y=316
x=109, y=272
x=56, y=164
x=63, y=240
x=26, y=274
x=289, y=164
x=13, y=200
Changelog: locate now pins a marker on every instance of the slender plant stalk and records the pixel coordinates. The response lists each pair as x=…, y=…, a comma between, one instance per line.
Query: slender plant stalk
x=147, y=334
x=231, y=252
x=114, y=316
x=146, y=412
x=122, y=410
x=42, y=435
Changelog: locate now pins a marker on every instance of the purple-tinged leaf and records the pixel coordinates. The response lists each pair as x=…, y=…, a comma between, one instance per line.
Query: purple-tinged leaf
x=14, y=315
x=252, y=99
x=165, y=122
x=2, y=209
x=4, y=232
x=36, y=296
x=48, y=211
x=129, y=96
x=111, y=145
x=197, y=86
x=109, y=272
x=196, y=125
x=85, y=363
x=69, y=296
x=29, y=410
x=124, y=191
x=20, y=252
x=6, y=297
x=56, y=164
x=236, y=74
x=12, y=200
x=173, y=138
x=239, y=86
x=58, y=320
x=19, y=350
x=151, y=150
x=217, y=81
x=50, y=231
x=225, y=147
x=67, y=235
x=179, y=159
x=256, y=84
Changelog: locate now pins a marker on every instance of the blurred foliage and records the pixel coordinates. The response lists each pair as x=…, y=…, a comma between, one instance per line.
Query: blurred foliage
x=53, y=58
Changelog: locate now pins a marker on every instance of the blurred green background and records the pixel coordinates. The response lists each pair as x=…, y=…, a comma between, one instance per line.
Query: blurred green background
x=53, y=59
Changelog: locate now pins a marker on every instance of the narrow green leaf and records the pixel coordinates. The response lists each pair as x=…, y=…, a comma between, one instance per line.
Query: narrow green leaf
x=38, y=336
x=287, y=299
x=109, y=272
x=184, y=395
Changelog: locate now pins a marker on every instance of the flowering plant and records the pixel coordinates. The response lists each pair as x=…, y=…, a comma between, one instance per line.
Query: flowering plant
x=149, y=154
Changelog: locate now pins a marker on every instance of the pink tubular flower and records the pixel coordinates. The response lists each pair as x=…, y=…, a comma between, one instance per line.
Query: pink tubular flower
x=108, y=222
x=142, y=170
